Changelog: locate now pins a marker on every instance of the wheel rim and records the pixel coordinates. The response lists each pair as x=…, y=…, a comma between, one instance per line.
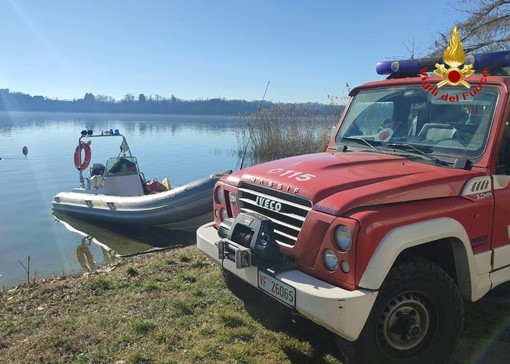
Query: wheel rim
x=405, y=322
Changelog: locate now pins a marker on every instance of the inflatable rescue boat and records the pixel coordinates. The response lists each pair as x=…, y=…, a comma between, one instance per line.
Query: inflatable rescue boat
x=118, y=192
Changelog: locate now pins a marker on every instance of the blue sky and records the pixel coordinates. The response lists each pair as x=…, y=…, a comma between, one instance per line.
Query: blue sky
x=202, y=49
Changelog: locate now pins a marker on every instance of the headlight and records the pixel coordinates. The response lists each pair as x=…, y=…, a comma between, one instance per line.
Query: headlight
x=218, y=195
x=343, y=238
x=330, y=260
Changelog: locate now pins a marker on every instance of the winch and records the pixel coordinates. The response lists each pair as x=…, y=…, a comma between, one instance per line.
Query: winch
x=248, y=236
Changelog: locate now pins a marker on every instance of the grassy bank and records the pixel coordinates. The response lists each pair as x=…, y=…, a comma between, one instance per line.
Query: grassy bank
x=173, y=307
x=168, y=307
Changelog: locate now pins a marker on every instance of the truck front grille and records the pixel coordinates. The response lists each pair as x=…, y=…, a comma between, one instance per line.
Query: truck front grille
x=288, y=212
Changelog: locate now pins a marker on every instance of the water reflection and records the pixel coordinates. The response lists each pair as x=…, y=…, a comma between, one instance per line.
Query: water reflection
x=117, y=241
x=138, y=124
x=85, y=257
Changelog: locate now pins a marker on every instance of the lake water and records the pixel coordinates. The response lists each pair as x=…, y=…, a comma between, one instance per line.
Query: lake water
x=181, y=148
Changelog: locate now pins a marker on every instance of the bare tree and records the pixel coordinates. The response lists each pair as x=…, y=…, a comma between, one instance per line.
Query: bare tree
x=105, y=99
x=485, y=28
x=128, y=98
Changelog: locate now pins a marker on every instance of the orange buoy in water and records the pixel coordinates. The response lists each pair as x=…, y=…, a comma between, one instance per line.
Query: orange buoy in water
x=25, y=150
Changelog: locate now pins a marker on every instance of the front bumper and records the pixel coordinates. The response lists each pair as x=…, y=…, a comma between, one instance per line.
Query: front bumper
x=340, y=311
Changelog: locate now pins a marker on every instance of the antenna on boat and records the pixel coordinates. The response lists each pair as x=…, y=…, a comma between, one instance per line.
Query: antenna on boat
x=258, y=114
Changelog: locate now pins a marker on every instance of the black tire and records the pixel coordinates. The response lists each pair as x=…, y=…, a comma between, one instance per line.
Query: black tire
x=242, y=290
x=417, y=318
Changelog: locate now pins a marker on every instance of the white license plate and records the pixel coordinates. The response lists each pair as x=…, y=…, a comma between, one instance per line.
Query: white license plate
x=277, y=289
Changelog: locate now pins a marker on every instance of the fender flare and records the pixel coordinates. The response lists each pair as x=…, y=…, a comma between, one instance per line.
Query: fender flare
x=472, y=283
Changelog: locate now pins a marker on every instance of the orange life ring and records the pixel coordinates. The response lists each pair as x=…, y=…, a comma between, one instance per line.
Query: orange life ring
x=77, y=156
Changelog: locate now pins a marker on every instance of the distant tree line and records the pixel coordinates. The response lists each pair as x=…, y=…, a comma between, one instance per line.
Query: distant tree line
x=17, y=101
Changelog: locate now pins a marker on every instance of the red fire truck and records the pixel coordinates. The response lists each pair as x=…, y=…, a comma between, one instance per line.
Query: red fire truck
x=382, y=237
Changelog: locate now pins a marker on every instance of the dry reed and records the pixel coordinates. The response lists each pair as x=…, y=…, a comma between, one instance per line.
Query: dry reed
x=279, y=132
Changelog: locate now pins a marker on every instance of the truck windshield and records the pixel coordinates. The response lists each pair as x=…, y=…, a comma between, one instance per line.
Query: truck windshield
x=451, y=127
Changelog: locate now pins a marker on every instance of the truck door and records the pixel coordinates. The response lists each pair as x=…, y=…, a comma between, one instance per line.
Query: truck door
x=501, y=182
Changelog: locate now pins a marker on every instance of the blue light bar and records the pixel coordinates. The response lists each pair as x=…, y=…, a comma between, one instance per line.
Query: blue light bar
x=494, y=60
x=402, y=66
x=489, y=60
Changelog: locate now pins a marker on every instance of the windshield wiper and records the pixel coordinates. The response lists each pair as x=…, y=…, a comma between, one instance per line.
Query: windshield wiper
x=362, y=141
x=407, y=147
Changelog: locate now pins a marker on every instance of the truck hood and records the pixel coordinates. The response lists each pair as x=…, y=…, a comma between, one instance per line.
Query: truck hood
x=338, y=182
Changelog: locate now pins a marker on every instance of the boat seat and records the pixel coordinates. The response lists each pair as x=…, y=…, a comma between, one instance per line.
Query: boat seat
x=96, y=181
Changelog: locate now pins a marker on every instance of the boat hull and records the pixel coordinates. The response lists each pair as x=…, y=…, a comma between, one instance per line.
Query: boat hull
x=181, y=208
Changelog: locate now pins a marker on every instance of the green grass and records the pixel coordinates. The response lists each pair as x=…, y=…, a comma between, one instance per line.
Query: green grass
x=179, y=312
x=131, y=271
x=175, y=309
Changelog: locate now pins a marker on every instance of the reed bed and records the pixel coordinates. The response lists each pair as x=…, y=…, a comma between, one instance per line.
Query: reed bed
x=279, y=132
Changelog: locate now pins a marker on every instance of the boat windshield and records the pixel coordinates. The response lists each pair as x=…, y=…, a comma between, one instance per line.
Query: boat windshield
x=410, y=120
x=121, y=166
